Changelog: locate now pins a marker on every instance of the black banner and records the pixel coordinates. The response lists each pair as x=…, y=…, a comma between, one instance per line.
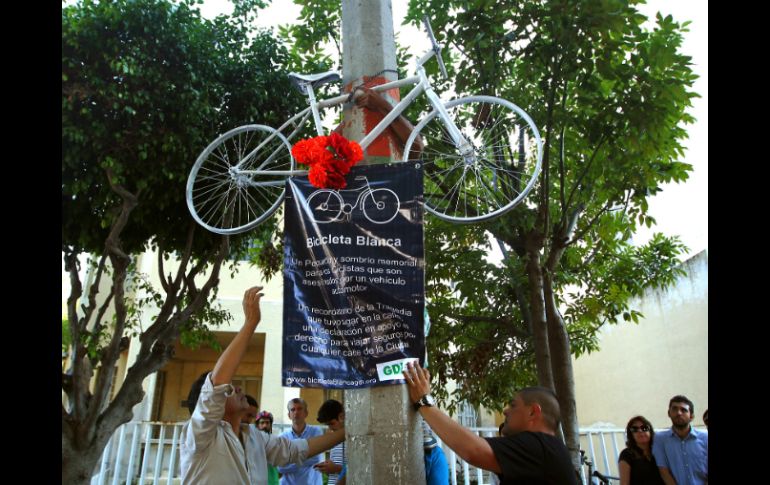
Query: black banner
x=354, y=278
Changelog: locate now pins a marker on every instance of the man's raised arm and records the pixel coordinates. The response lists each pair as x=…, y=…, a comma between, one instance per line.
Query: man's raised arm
x=471, y=447
x=319, y=444
x=231, y=357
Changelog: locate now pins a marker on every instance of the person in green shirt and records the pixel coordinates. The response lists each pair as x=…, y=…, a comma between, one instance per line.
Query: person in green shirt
x=265, y=423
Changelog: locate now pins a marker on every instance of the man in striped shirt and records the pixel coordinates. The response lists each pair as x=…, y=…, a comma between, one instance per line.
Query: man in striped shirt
x=332, y=414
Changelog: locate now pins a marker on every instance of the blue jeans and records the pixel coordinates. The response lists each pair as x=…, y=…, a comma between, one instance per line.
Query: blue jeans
x=436, y=467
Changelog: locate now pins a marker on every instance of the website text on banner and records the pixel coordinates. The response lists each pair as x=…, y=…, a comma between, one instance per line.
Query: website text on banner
x=354, y=278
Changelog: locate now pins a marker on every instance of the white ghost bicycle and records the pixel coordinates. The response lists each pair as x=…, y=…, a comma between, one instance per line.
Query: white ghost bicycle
x=481, y=156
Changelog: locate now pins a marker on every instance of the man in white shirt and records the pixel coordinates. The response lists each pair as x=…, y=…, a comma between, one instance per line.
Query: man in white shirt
x=216, y=448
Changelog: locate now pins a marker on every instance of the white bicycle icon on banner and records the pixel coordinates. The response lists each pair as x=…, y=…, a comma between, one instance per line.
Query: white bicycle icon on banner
x=379, y=205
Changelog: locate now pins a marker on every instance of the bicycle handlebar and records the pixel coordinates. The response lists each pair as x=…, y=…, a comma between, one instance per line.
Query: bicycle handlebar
x=436, y=46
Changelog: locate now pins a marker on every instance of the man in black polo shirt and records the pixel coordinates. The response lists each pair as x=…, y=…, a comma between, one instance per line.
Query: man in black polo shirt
x=528, y=453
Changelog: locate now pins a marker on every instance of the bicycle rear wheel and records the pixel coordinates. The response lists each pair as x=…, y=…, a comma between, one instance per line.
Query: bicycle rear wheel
x=224, y=199
x=493, y=173
x=325, y=206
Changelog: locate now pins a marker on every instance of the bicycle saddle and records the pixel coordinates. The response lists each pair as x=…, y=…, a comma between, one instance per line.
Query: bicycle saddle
x=299, y=81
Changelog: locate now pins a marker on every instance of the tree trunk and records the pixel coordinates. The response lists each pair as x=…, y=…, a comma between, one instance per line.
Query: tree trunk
x=78, y=460
x=539, y=323
x=82, y=447
x=561, y=363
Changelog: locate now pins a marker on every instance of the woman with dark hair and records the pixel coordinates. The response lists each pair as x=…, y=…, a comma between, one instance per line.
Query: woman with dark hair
x=636, y=463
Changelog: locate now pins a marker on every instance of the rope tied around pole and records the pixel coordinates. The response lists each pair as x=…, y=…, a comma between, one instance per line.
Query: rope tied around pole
x=368, y=83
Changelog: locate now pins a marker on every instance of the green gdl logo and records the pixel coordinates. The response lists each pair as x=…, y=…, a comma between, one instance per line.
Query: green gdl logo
x=390, y=371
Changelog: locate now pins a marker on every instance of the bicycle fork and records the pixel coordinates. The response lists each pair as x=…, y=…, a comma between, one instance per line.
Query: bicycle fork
x=463, y=146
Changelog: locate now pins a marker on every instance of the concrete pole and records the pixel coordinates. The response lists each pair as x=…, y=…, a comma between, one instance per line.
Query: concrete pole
x=369, y=57
x=383, y=435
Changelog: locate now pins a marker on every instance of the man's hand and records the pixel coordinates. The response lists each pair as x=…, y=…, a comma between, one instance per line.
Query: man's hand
x=468, y=445
x=327, y=467
x=251, y=305
x=418, y=380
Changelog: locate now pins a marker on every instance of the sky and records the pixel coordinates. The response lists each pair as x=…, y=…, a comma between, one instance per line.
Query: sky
x=680, y=209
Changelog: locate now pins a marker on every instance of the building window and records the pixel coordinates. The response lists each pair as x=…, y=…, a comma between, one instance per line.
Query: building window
x=468, y=415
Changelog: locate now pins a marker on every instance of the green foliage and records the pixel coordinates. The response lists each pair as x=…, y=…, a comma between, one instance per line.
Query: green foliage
x=66, y=338
x=197, y=330
x=477, y=322
x=146, y=85
x=265, y=249
x=319, y=24
x=602, y=291
x=610, y=98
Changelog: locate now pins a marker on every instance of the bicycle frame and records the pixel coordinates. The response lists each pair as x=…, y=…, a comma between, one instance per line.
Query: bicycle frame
x=346, y=208
x=363, y=191
x=422, y=85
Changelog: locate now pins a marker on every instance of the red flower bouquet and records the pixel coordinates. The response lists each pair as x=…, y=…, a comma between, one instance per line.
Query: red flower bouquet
x=329, y=157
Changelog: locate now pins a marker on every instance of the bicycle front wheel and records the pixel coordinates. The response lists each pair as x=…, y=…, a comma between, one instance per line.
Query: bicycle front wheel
x=489, y=175
x=380, y=206
x=224, y=194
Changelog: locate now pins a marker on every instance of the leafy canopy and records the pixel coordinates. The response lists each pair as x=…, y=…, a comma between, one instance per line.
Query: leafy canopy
x=146, y=86
x=610, y=98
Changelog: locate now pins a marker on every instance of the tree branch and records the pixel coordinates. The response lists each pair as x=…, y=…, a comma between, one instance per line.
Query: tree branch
x=544, y=213
x=566, y=237
x=80, y=369
x=607, y=208
x=562, y=170
x=172, y=287
x=590, y=224
x=130, y=201
x=201, y=297
x=190, y=277
x=97, y=328
x=187, y=253
x=162, y=270
x=502, y=321
x=173, y=299
x=459, y=48
x=162, y=331
x=120, y=261
x=602, y=139
x=93, y=290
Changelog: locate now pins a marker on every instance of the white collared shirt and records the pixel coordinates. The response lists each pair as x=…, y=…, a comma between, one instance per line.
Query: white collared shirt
x=211, y=452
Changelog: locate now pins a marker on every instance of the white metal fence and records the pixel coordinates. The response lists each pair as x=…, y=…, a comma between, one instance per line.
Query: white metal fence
x=602, y=447
x=143, y=452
